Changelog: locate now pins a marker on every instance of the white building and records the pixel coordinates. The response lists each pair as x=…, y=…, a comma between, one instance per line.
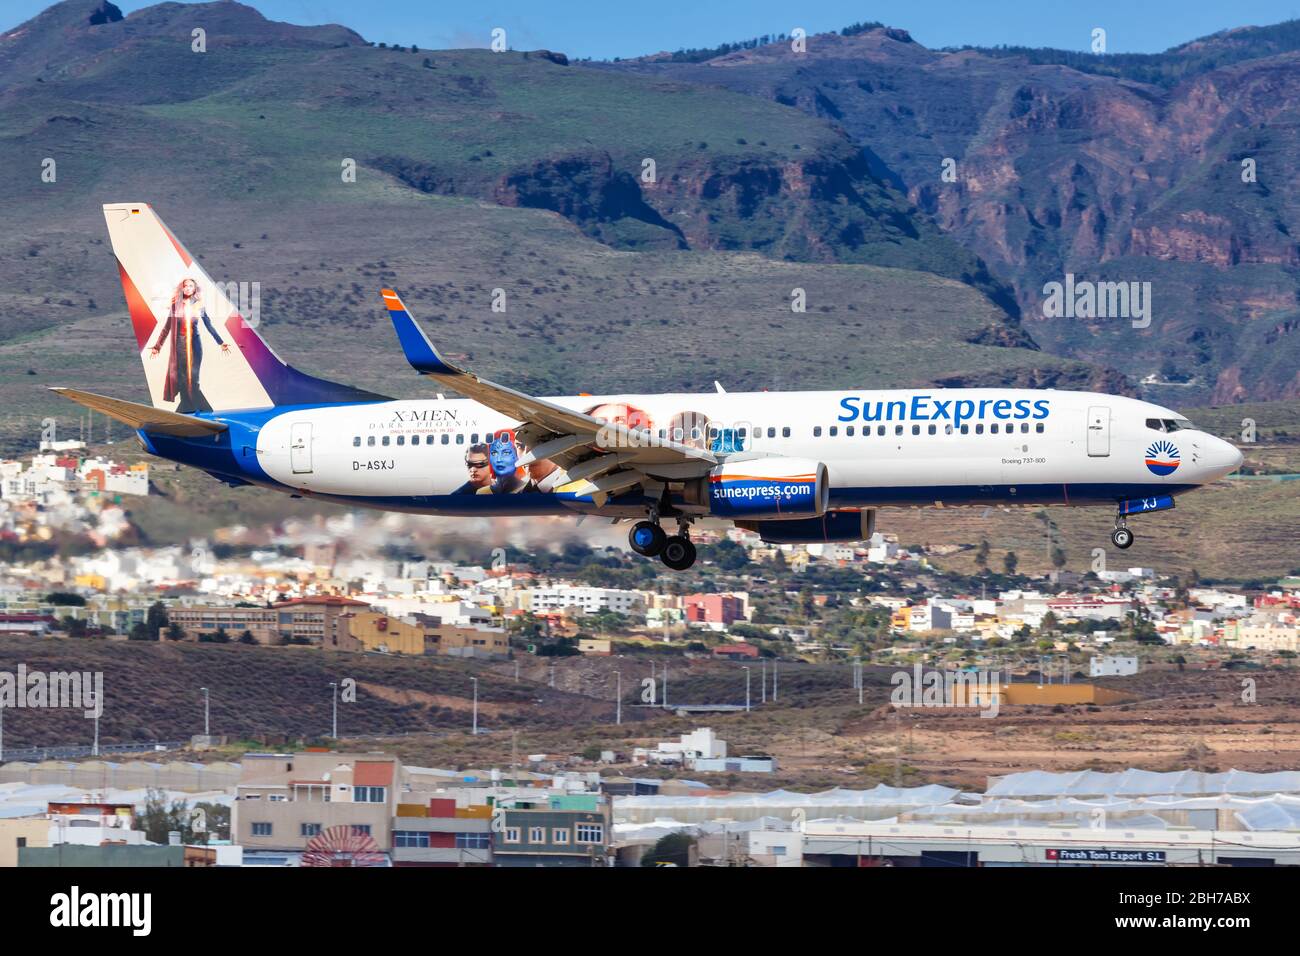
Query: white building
x=585, y=600
x=1112, y=666
x=701, y=743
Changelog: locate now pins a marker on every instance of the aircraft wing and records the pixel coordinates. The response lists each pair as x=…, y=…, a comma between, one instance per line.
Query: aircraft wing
x=157, y=420
x=638, y=450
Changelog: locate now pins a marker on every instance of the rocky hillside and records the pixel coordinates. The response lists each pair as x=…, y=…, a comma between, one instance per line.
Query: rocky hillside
x=271, y=108
x=1110, y=168
x=473, y=171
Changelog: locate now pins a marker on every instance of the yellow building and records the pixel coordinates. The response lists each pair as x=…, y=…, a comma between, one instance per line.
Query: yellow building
x=901, y=619
x=21, y=832
x=468, y=642
x=379, y=632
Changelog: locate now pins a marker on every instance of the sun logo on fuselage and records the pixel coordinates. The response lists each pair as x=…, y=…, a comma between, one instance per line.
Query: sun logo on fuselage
x=1162, y=458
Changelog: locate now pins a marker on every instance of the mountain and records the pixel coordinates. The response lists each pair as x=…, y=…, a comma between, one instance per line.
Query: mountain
x=1126, y=168
x=474, y=171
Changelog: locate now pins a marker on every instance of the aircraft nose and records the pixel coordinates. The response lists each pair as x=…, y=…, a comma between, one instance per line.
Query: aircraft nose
x=1222, y=457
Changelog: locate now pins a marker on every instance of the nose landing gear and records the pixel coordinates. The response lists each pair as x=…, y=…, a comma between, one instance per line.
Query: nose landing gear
x=1121, y=537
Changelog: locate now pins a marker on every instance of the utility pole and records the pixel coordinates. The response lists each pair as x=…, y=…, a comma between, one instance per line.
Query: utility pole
x=334, y=694
x=207, y=710
x=747, y=670
x=552, y=675
x=898, y=753
x=618, y=697
x=514, y=757
x=776, y=672
x=475, y=730
x=96, y=751
x=516, y=671
x=665, y=685
x=763, y=674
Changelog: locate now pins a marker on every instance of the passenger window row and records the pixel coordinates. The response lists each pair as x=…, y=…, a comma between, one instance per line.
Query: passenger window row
x=1007, y=428
x=400, y=440
x=678, y=434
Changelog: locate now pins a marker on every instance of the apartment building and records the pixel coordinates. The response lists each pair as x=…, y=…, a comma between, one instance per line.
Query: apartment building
x=282, y=801
x=441, y=833
x=585, y=600
x=319, y=621
x=714, y=609
x=205, y=620
x=561, y=831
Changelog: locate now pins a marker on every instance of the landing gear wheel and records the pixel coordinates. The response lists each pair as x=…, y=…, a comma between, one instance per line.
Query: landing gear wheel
x=678, y=553
x=1122, y=538
x=647, y=538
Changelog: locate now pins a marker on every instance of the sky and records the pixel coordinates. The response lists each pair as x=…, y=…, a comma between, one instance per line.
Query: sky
x=604, y=29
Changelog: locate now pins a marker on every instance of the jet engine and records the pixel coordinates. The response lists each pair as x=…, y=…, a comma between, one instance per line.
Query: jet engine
x=773, y=488
x=831, y=526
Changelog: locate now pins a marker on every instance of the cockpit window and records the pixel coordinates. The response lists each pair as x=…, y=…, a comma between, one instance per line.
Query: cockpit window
x=1168, y=424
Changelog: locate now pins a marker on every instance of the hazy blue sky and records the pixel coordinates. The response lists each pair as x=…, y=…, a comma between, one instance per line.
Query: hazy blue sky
x=609, y=28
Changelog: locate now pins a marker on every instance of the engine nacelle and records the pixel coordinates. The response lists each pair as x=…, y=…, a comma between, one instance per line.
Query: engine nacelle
x=832, y=526
x=766, y=488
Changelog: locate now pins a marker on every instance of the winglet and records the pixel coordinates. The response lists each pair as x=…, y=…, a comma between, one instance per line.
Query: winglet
x=424, y=358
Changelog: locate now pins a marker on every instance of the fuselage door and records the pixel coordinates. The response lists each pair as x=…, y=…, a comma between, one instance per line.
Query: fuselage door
x=1098, y=431
x=300, y=447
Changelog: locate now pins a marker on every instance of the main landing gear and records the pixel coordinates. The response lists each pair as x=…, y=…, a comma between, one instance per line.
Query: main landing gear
x=678, y=553
x=647, y=538
x=675, y=551
x=1121, y=537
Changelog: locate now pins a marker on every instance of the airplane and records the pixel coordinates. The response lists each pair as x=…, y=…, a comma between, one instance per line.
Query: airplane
x=795, y=467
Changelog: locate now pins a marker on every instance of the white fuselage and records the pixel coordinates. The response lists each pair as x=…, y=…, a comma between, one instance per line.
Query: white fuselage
x=910, y=446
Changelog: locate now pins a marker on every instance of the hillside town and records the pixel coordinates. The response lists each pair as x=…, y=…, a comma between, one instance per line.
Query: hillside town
x=366, y=584
x=307, y=582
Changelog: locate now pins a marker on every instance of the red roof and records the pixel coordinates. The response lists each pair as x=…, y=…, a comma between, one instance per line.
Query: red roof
x=332, y=600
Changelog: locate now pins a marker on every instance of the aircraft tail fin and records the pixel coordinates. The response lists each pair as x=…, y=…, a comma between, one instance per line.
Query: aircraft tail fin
x=200, y=352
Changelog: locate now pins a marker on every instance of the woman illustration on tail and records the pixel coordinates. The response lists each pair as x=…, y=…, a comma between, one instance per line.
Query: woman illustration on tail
x=185, y=357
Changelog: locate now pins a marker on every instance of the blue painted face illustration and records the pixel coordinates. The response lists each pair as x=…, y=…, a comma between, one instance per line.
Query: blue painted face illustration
x=504, y=455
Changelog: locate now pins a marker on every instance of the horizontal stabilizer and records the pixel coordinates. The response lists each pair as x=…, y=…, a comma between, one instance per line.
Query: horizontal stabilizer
x=146, y=417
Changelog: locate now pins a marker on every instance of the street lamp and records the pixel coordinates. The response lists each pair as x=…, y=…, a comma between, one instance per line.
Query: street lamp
x=618, y=697
x=335, y=695
x=746, y=689
x=475, y=730
x=207, y=701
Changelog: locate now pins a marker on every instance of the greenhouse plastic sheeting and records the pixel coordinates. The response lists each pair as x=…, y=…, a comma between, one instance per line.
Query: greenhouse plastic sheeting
x=1040, y=784
x=875, y=804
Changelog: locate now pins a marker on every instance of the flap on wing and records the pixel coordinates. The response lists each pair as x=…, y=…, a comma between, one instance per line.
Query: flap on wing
x=644, y=447
x=146, y=417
